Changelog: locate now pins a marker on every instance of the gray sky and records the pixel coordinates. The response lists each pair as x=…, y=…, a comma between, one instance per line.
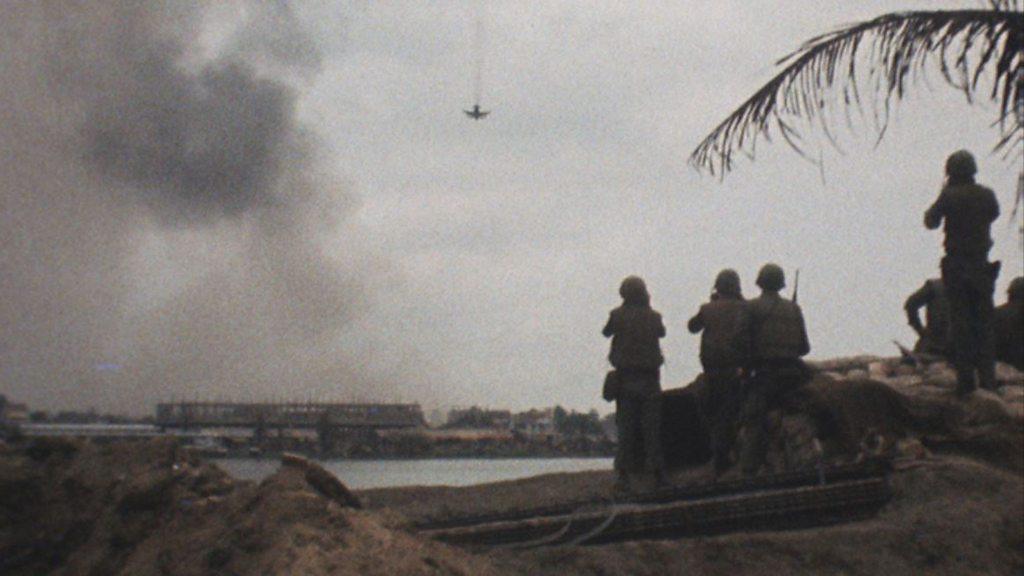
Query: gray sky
x=488, y=254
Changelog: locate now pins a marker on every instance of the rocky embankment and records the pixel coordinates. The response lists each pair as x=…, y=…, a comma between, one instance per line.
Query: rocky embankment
x=151, y=508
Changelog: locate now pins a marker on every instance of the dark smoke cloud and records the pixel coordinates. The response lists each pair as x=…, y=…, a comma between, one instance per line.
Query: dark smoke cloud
x=166, y=212
x=201, y=147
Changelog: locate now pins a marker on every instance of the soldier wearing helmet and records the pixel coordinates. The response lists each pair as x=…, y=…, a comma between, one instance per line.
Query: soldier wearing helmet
x=968, y=210
x=777, y=339
x=1009, y=326
x=635, y=329
x=723, y=353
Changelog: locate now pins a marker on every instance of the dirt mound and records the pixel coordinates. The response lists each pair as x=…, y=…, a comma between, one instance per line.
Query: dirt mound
x=149, y=508
x=884, y=405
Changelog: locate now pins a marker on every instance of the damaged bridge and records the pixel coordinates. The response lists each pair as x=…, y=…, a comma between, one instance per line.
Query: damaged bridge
x=317, y=416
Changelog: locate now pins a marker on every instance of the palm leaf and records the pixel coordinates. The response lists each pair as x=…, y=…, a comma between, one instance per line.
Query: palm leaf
x=822, y=81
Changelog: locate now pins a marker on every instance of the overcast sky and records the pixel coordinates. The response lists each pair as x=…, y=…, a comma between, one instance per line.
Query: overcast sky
x=499, y=245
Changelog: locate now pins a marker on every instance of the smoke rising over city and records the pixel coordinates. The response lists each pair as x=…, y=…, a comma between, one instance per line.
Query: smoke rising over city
x=166, y=214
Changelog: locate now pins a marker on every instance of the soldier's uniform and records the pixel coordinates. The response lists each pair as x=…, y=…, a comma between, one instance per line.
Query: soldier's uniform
x=635, y=329
x=778, y=339
x=1009, y=326
x=934, y=333
x=968, y=210
x=723, y=353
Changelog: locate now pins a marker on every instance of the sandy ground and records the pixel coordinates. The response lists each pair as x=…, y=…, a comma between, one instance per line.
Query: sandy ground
x=949, y=515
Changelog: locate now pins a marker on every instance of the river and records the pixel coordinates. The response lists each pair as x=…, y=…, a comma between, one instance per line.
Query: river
x=362, y=474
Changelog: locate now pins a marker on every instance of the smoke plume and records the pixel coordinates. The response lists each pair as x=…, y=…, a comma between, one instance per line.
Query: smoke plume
x=166, y=216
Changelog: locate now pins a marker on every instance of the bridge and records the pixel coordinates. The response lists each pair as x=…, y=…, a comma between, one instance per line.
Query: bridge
x=288, y=415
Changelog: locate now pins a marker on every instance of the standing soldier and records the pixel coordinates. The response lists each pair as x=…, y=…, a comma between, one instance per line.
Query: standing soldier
x=723, y=353
x=968, y=210
x=933, y=336
x=635, y=329
x=778, y=340
x=1009, y=321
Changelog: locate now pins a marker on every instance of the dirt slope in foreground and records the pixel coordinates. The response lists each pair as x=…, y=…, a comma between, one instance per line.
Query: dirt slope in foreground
x=150, y=509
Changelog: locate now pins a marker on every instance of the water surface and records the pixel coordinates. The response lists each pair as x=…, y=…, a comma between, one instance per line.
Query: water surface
x=361, y=474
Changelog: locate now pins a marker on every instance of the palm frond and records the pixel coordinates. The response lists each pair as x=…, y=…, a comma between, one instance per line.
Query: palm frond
x=889, y=54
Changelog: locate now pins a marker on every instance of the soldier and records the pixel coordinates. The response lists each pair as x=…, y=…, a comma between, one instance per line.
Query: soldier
x=933, y=337
x=1009, y=326
x=723, y=353
x=778, y=340
x=635, y=329
x=968, y=210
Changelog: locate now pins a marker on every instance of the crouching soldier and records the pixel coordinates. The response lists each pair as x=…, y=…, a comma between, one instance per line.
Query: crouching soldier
x=723, y=353
x=1009, y=321
x=933, y=335
x=777, y=338
x=635, y=329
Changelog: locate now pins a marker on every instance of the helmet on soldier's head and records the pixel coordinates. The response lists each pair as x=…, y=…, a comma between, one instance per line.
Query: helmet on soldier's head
x=1016, y=290
x=633, y=290
x=771, y=277
x=727, y=283
x=961, y=163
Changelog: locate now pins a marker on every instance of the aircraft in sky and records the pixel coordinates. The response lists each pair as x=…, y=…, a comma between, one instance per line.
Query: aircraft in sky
x=476, y=113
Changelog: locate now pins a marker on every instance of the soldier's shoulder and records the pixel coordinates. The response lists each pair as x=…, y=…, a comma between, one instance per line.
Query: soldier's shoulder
x=978, y=190
x=727, y=304
x=756, y=305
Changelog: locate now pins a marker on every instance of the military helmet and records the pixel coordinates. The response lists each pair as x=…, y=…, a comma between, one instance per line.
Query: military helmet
x=633, y=289
x=728, y=283
x=961, y=163
x=771, y=277
x=1016, y=290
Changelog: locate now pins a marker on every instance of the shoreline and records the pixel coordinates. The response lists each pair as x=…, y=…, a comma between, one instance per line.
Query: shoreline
x=276, y=457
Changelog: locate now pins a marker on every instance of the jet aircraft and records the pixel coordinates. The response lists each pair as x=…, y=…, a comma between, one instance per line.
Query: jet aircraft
x=476, y=113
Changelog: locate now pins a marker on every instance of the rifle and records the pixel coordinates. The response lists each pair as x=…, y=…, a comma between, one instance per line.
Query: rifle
x=796, y=285
x=907, y=356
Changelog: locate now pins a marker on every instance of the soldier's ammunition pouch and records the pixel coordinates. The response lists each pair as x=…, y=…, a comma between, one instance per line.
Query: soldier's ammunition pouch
x=610, y=392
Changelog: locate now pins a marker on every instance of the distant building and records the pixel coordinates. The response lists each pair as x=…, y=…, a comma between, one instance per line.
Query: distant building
x=13, y=413
x=477, y=418
x=95, y=431
x=535, y=422
x=437, y=418
x=287, y=415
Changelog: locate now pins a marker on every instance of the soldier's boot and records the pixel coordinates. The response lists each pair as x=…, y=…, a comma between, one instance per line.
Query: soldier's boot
x=720, y=466
x=987, y=377
x=621, y=486
x=965, y=384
